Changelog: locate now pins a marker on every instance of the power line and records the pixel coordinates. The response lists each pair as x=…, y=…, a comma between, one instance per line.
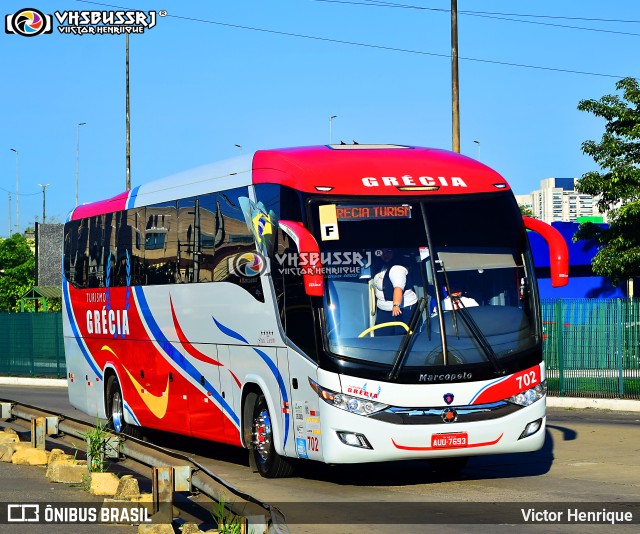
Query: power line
x=20, y=194
x=410, y=6
x=495, y=15
x=369, y=45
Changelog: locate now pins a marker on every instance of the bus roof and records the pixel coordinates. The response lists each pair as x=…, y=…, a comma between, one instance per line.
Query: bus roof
x=372, y=170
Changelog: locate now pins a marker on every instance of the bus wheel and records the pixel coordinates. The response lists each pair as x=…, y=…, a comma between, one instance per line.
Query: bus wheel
x=269, y=463
x=115, y=411
x=449, y=466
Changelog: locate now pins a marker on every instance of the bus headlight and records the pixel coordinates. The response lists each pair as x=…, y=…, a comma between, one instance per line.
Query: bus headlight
x=526, y=398
x=347, y=402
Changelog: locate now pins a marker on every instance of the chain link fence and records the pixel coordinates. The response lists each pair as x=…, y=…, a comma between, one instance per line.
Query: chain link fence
x=591, y=346
x=31, y=344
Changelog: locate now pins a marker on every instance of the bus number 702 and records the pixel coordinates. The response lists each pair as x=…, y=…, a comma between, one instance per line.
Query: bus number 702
x=527, y=380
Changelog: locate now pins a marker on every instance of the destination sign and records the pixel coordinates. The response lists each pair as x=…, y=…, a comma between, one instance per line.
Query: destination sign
x=372, y=212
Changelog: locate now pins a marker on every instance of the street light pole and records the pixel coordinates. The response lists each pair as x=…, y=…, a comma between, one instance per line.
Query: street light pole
x=78, y=158
x=44, y=203
x=9, y=210
x=239, y=147
x=17, y=195
x=478, y=143
x=331, y=117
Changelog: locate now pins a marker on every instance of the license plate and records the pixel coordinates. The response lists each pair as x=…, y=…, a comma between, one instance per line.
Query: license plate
x=446, y=441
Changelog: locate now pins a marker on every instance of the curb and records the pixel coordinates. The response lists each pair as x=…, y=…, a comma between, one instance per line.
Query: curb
x=619, y=405
x=43, y=382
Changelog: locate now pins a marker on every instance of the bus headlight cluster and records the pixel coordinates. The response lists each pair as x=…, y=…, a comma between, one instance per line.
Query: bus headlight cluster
x=347, y=402
x=526, y=398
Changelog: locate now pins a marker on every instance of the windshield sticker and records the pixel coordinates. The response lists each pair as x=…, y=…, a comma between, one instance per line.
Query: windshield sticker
x=260, y=223
x=328, y=223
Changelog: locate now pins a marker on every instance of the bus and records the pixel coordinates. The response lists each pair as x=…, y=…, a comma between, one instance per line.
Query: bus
x=237, y=302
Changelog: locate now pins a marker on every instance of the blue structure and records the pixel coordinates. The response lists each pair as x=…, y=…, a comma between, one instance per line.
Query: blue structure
x=582, y=282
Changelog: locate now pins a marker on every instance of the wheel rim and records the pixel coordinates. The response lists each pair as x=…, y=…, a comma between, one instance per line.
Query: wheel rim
x=116, y=411
x=262, y=435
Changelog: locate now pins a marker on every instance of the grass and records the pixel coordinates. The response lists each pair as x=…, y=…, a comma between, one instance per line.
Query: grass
x=96, y=440
x=228, y=523
x=605, y=387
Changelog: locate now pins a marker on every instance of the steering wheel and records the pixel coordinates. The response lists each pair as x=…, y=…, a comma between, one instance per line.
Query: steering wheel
x=383, y=325
x=436, y=358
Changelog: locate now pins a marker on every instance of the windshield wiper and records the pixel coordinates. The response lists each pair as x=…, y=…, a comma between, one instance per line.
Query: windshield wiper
x=475, y=330
x=403, y=350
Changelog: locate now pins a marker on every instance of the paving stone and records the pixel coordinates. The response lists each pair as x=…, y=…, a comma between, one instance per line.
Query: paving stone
x=30, y=456
x=128, y=488
x=104, y=484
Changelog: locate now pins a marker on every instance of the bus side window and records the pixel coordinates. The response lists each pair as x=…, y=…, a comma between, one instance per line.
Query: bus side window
x=188, y=240
x=233, y=244
x=208, y=226
x=294, y=305
x=75, y=244
x=160, y=243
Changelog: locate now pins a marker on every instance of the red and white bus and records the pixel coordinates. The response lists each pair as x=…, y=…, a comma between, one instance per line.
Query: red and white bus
x=237, y=303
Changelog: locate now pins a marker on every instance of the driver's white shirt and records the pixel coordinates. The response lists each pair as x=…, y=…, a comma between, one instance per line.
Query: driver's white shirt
x=467, y=302
x=398, y=276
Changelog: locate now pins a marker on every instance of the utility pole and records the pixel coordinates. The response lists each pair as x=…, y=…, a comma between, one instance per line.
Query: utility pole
x=455, y=96
x=17, y=193
x=128, y=184
x=44, y=203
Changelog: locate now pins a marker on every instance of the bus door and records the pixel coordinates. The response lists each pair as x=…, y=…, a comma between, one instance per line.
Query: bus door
x=205, y=417
x=300, y=358
x=229, y=393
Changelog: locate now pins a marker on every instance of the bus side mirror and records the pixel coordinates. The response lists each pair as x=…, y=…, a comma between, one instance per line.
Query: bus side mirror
x=558, y=250
x=309, y=257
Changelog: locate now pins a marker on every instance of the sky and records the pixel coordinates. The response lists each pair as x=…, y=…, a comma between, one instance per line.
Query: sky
x=218, y=78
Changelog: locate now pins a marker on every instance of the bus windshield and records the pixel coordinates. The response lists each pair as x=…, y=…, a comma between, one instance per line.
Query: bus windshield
x=465, y=260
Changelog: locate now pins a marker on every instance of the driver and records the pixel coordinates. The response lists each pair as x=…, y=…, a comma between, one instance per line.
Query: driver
x=393, y=301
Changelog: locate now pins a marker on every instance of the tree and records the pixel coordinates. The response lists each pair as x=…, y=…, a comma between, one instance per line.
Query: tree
x=526, y=211
x=17, y=269
x=617, y=185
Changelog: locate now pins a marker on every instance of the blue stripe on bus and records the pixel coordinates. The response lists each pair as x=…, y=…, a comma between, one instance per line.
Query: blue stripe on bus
x=132, y=197
x=229, y=332
x=176, y=356
x=487, y=386
x=272, y=366
x=126, y=407
x=76, y=333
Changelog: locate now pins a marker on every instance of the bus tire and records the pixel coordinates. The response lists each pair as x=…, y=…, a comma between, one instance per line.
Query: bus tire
x=115, y=411
x=267, y=461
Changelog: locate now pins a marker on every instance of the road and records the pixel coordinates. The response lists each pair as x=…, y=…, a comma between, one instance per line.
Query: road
x=589, y=456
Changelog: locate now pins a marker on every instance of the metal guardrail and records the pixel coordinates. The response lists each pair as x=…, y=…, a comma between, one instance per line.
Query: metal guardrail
x=187, y=473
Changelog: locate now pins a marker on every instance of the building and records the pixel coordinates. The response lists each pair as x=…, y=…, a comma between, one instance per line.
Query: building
x=558, y=200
